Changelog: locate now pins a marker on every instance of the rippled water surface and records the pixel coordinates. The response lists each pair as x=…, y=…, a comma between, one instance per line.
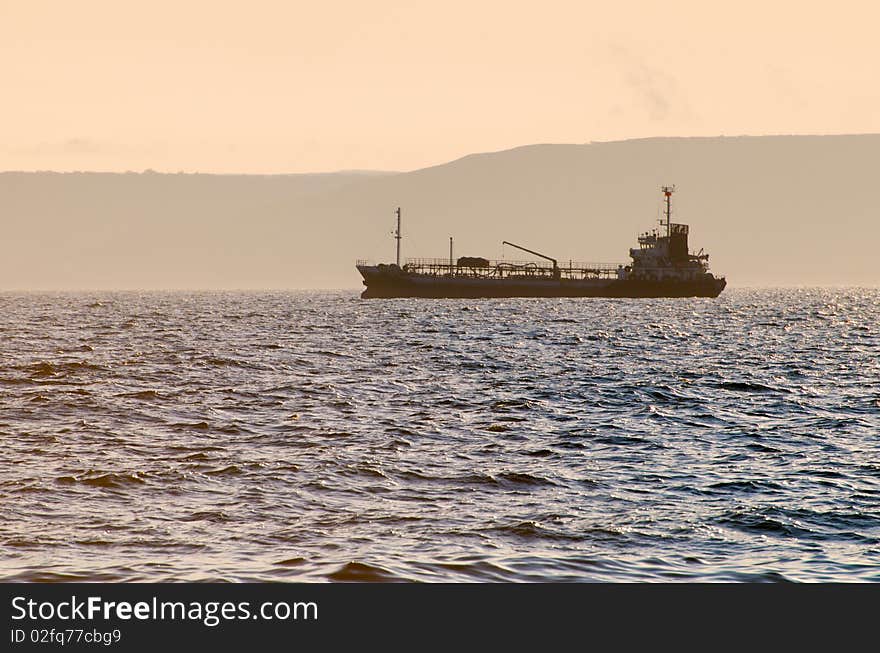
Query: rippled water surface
x=318, y=436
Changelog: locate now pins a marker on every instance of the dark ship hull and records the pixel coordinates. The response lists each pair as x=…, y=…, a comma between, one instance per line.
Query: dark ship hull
x=393, y=283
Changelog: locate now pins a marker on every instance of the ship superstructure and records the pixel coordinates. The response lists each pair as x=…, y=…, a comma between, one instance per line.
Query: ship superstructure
x=666, y=257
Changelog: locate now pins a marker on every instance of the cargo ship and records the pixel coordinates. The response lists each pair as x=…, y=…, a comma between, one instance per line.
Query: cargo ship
x=662, y=266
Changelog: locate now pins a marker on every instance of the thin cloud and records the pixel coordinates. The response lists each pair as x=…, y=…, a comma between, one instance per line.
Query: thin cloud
x=657, y=92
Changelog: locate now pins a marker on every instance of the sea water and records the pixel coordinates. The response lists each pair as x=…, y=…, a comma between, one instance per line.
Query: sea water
x=315, y=436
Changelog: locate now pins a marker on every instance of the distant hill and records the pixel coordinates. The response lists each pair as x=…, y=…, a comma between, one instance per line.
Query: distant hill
x=774, y=210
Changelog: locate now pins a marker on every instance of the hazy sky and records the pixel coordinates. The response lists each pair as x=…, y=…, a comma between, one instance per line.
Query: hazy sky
x=288, y=86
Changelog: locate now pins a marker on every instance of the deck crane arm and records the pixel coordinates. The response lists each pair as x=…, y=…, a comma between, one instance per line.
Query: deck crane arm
x=549, y=258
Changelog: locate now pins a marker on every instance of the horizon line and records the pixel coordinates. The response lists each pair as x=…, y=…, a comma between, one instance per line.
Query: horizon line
x=358, y=289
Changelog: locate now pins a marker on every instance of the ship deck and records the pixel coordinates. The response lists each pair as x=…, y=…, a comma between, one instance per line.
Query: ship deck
x=526, y=270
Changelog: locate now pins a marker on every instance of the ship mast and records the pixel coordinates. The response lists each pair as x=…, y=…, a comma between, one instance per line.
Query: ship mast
x=668, y=191
x=450, y=255
x=397, y=236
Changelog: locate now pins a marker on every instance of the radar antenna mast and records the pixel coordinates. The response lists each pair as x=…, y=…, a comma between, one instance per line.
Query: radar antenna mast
x=397, y=236
x=668, y=191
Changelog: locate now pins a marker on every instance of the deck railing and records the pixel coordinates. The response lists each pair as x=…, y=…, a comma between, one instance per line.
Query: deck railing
x=441, y=267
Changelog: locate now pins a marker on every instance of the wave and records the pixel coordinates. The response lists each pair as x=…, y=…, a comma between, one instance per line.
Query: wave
x=359, y=572
x=108, y=480
x=751, y=386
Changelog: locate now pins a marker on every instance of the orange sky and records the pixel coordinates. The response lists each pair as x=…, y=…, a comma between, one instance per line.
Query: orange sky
x=285, y=86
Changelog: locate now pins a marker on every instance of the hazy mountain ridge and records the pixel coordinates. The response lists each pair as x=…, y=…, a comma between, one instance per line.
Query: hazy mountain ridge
x=770, y=210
